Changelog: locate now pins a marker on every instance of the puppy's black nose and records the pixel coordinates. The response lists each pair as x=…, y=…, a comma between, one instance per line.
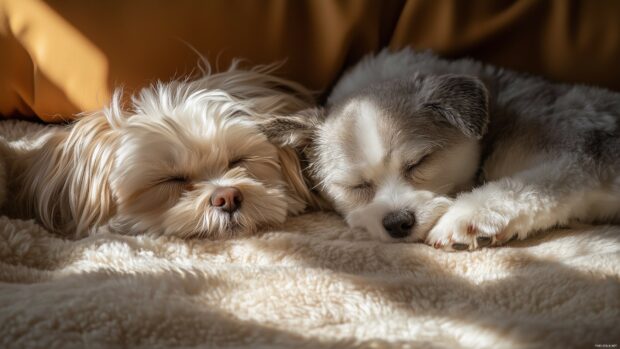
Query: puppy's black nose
x=226, y=198
x=398, y=224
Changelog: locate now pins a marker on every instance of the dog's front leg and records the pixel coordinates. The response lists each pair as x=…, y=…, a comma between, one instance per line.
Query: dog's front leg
x=547, y=195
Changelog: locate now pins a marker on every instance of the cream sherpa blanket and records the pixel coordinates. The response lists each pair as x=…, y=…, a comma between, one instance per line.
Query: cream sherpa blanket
x=311, y=284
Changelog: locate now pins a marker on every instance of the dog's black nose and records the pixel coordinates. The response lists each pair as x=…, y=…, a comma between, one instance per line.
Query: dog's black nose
x=227, y=198
x=398, y=224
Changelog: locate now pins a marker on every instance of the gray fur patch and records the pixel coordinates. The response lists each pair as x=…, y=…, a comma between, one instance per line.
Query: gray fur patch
x=462, y=101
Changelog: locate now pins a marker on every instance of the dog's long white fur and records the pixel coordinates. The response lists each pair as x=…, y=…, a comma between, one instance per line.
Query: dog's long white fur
x=73, y=180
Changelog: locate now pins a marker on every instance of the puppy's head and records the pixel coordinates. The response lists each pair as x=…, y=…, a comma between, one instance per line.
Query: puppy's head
x=389, y=156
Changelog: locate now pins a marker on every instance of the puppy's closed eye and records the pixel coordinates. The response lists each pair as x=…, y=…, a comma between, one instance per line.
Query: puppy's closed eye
x=365, y=185
x=364, y=190
x=410, y=167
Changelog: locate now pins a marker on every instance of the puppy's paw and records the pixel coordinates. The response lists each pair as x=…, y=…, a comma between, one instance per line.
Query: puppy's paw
x=467, y=227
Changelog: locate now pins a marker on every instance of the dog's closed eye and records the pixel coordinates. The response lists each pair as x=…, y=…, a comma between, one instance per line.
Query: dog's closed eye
x=364, y=190
x=365, y=185
x=174, y=180
x=236, y=161
x=179, y=179
x=412, y=166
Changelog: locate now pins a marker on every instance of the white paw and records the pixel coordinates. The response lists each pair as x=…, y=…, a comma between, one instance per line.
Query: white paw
x=467, y=226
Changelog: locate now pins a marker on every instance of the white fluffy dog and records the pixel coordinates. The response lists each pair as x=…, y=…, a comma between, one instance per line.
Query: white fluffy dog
x=186, y=159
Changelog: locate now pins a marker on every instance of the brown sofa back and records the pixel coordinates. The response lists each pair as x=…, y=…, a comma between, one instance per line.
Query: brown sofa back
x=61, y=57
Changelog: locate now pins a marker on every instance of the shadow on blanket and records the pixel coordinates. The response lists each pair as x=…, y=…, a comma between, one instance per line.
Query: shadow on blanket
x=308, y=286
x=542, y=285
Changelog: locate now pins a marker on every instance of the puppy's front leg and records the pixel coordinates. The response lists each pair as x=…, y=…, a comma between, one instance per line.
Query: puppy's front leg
x=539, y=198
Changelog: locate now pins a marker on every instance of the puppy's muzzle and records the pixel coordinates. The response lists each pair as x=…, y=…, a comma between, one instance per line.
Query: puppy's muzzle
x=227, y=199
x=398, y=224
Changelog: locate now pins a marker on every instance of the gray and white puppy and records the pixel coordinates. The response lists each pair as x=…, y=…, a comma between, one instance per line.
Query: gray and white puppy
x=459, y=154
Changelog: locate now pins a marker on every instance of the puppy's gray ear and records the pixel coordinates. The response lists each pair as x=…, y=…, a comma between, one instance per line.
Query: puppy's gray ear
x=462, y=101
x=294, y=130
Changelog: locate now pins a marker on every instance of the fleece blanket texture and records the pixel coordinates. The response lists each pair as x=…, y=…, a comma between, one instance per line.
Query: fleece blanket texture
x=311, y=283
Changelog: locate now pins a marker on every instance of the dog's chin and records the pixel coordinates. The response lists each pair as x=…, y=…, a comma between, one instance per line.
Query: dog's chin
x=232, y=228
x=224, y=226
x=228, y=226
x=235, y=226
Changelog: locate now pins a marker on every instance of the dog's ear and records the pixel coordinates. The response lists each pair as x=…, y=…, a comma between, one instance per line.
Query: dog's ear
x=295, y=130
x=292, y=135
x=462, y=101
